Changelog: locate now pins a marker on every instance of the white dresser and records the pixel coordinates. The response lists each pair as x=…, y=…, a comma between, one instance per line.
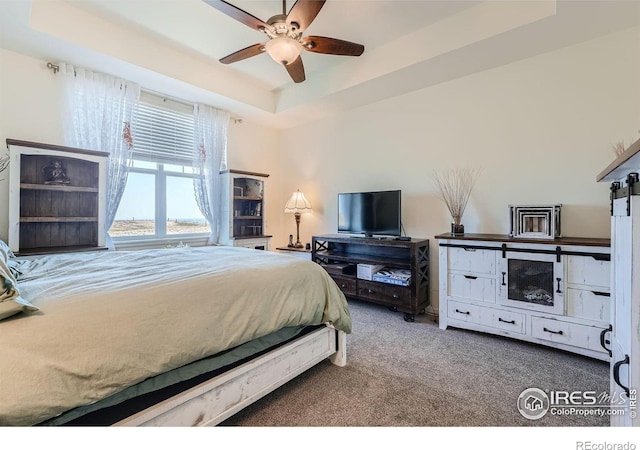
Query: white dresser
x=552, y=292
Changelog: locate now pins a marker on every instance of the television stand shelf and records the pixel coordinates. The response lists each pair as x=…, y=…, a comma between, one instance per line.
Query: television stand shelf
x=338, y=253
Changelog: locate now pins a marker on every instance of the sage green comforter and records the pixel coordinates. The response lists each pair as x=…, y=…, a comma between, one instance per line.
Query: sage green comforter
x=108, y=320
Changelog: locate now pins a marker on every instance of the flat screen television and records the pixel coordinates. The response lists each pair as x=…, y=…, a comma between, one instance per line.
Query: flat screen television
x=370, y=213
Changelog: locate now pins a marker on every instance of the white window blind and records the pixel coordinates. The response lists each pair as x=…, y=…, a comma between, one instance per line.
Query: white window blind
x=164, y=133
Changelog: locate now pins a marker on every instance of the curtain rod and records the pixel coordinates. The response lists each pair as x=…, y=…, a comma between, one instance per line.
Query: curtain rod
x=56, y=68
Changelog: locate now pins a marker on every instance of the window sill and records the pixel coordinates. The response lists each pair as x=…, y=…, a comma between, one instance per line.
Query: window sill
x=163, y=242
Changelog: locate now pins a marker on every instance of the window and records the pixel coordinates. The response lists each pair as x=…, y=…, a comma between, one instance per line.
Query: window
x=159, y=200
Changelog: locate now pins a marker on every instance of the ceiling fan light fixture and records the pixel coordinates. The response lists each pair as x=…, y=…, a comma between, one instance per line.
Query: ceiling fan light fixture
x=283, y=49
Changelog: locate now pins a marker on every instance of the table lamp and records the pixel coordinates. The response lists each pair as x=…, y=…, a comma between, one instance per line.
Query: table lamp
x=297, y=204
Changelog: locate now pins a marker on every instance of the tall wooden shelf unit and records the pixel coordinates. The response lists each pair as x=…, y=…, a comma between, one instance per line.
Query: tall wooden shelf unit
x=334, y=252
x=244, y=207
x=56, y=217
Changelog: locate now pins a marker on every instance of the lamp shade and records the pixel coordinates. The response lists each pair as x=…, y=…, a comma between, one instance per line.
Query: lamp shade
x=297, y=203
x=283, y=49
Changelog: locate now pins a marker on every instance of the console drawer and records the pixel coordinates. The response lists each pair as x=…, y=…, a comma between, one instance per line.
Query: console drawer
x=387, y=293
x=346, y=284
x=472, y=260
x=463, y=311
x=472, y=287
x=503, y=320
x=583, y=336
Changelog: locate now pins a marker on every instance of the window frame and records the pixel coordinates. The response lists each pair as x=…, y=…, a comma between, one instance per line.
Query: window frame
x=160, y=173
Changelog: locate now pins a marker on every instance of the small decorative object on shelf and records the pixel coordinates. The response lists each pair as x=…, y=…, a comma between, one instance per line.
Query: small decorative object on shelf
x=55, y=173
x=541, y=222
x=254, y=188
x=455, y=187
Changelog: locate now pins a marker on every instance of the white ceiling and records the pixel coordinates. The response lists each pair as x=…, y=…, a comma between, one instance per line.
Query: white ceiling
x=173, y=46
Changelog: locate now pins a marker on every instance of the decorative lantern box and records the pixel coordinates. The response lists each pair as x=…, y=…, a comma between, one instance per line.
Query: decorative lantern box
x=529, y=221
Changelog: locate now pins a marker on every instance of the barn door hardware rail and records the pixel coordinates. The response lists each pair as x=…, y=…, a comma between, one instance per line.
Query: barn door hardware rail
x=632, y=188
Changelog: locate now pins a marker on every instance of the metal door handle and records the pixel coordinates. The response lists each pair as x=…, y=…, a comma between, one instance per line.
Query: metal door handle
x=616, y=373
x=512, y=322
x=604, y=341
x=470, y=277
x=551, y=331
x=462, y=312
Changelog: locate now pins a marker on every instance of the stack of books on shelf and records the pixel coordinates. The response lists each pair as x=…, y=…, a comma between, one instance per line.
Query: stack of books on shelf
x=401, y=277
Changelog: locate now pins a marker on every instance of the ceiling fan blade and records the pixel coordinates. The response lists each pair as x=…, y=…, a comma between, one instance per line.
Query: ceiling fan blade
x=303, y=12
x=238, y=14
x=245, y=53
x=331, y=46
x=296, y=70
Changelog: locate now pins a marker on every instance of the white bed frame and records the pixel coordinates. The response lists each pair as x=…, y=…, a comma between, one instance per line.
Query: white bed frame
x=217, y=399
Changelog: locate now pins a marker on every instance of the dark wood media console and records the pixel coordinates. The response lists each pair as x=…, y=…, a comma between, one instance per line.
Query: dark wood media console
x=340, y=255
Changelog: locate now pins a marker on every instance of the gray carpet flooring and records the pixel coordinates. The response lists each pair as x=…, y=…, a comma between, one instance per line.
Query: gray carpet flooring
x=414, y=374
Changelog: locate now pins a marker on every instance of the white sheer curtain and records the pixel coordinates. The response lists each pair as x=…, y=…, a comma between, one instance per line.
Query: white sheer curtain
x=99, y=113
x=209, y=157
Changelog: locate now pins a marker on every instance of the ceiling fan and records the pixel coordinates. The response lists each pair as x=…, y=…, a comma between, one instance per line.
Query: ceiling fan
x=285, y=36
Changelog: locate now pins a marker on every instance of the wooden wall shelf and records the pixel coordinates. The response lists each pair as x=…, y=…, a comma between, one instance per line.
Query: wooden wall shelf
x=46, y=217
x=55, y=187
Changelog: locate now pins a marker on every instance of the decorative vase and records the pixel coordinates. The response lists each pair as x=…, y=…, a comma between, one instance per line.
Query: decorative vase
x=457, y=229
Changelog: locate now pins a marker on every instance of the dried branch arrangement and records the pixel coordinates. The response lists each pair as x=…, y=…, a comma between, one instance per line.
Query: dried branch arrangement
x=4, y=162
x=455, y=186
x=618, y=148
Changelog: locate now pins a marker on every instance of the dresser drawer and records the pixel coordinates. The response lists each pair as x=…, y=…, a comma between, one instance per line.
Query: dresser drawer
x=588, y=304
x=583, y=336
x=388, y=293
x=472, y=260
x=586, y=270
x=503, y=320
x=346, y=284
x=463, y=311
x=472, y=287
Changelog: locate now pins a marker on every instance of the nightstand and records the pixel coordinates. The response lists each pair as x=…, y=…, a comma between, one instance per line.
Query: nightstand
x=297, y=252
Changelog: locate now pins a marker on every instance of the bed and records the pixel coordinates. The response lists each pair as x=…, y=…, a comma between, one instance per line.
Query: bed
x=182, y=336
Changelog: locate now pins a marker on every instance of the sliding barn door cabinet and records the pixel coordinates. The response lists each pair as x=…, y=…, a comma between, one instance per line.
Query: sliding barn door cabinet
x=624, y=338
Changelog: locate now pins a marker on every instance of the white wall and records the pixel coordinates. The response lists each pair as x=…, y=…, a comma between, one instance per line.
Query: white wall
x=541, y=129
x=30, y=110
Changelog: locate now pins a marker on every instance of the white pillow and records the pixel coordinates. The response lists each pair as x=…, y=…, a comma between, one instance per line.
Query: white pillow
x=4, y=248
x=10, y=301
